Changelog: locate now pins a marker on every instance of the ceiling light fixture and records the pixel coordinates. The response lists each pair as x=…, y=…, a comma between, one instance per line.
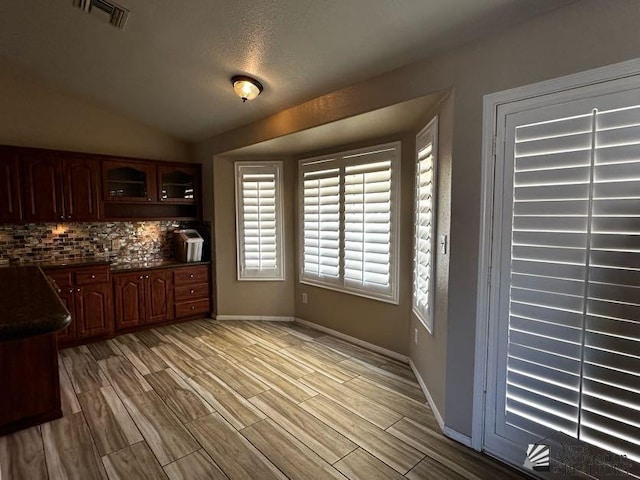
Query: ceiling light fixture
x=246, y=88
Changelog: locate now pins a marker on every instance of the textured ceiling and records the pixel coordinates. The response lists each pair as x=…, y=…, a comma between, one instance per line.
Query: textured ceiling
x=170, y=67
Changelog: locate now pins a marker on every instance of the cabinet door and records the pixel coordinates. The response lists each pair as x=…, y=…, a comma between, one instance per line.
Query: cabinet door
x=68, y=335
x=10, y=201
x=94, y=316
x=129, y=300
x=42, y=177
x=179, y=184
x=129, y=181
x=81, y=188
x=159, y=296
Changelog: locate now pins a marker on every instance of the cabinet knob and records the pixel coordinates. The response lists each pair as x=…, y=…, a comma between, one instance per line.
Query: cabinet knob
x=191, y=276
x=148, y=199
x=141, y=277
x=93, y=276
x=71, y=290
x=61, y=217
x=68, y=217
x=146, y=276
x=192, y=291
x=78, y=290
x=193, y=307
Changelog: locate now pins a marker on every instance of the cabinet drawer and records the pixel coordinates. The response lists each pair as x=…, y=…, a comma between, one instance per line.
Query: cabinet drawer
x=196, y=307
x=60, y=279
x=191, y=275
x=192, y=292
x=93, y=276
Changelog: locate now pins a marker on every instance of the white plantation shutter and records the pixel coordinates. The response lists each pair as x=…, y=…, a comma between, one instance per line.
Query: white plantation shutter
x=424, y=225
x=367, y=225
x=259, y=221
x=348, y=235
x=321, y=224
x=573, y=362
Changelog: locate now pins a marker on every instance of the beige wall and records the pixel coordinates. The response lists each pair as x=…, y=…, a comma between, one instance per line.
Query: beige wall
x=429, y=354
x=380, y=323
x=581, y=36
x=33, y=113
x=261, y=298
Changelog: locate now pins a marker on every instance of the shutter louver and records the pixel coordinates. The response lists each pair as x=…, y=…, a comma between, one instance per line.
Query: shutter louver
x=611, y=391
x=573, y=362
x=259, y=226
x=367, y=225
x=259, y=221
x=423, y=255
x=321, y=218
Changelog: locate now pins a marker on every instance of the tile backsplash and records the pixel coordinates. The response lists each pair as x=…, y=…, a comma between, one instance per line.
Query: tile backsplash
x=117, y=242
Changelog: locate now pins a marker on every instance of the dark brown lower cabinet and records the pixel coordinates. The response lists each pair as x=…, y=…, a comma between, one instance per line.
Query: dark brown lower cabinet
x=29, y=382
x=86, y=292
x=143, y=298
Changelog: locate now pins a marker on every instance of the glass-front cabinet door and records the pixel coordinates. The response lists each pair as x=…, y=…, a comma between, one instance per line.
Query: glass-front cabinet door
x=129, y=181
x=178, y=184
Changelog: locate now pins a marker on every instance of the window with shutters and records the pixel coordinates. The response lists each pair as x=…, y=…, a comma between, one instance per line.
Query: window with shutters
x=424, y=224
x=569, y=260
x=348, y=234
x=259, y=221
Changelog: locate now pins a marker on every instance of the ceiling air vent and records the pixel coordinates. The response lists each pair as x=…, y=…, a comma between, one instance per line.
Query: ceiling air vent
x=112, y=12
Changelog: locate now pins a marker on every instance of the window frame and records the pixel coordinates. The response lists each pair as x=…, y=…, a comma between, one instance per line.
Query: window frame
x=339, y=161
x=426, y=318
x=278, y=274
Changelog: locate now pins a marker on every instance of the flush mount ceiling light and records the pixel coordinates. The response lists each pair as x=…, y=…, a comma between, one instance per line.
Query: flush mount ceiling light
x=246, y=88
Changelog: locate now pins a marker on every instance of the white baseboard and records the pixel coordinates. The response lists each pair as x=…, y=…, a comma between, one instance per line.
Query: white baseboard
x=254, y=318
x=354, y=340
x=457, y=436
x=427, y=394
x=447, y=431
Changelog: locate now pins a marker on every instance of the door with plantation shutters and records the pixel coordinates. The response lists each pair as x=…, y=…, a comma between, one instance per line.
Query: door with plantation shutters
x=259, y=221
x=348, y=234
x=566, y=297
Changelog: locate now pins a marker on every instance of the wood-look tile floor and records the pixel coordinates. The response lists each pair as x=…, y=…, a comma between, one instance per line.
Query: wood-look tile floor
x=238, y=400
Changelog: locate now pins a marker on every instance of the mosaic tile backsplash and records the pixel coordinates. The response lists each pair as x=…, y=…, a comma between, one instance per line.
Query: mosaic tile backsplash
x=116, y=242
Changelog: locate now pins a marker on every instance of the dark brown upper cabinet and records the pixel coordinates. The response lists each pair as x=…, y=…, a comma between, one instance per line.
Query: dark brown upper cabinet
x=179, y=184
x=81, y=181
x=129, y=181
x=10, y=196
x=42, y=181
x=60, y=187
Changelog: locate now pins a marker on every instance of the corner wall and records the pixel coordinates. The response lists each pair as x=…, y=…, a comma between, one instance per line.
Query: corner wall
x=249, y=298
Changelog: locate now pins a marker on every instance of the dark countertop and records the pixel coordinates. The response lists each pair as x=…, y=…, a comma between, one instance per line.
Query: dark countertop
x=72, y=263
x=141, y=266
x=29, y=305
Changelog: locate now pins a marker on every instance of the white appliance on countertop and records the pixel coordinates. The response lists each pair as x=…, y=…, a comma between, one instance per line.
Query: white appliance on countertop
x=189, y=245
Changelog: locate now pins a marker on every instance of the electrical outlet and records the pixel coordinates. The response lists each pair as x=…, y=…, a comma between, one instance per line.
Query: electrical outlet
x=305, y=299
x=415, y=335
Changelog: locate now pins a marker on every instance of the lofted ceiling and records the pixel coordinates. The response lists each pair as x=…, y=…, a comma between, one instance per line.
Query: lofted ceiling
x=170, y=67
